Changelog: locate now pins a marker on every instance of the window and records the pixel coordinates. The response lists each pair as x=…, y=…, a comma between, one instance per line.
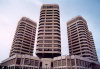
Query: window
x=48, y=37
x=48, y=20
x=48, y=30
x=32, y=62
x=18, y=61
x=68, y=62
x=55, y=63
x=48, y=27
x=77, y=62
x=47, y=49
x=39, y=49
x=51, y=64
x=57, y=50
x=49, y=12
x=56, y=45
x=26, y=61
x=40, y=41
x=47, y=45
x=56, y=41
x=59, y=62
x=48, y=41
x=63, y=62
x=36, y=62
x=16, y=67
x=40, y=45
x=72, y=62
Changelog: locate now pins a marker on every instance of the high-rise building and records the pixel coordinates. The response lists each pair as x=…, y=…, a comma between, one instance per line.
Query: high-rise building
x=24, y=38
x=94, y=54
x=81, y=44
x=80, y=39
x=49, y=40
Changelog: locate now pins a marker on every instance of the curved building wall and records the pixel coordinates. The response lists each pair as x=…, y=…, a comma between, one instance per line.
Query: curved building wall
x=24, y=38
x=49, y=40
x=79, y=39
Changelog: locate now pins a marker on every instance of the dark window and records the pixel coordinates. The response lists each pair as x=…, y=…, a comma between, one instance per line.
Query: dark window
x=51, y=64
x=40, y=64
x=18, y=61
x=26, y=62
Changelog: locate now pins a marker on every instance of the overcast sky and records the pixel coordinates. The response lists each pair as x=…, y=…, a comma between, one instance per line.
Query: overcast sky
x=11, y=12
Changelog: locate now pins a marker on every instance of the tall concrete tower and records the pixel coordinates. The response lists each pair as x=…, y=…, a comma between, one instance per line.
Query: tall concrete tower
x=95, y=57
x=80, y=39
x=24, y=38
x=49, y=39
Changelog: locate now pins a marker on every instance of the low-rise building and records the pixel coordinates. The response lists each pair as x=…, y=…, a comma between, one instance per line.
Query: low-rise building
x=61, y=62
x=74, y=62
x=21, y=62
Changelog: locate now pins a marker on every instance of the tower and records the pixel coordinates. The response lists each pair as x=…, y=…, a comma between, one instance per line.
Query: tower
x=80, y=39
x=94, y=56
x=49, y=40
x=24, y=38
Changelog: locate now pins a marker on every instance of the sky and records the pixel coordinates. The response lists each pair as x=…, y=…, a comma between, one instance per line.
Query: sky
x=11, y=11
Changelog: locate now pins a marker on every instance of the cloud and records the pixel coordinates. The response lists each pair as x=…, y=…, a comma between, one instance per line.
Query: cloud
x=38, y=2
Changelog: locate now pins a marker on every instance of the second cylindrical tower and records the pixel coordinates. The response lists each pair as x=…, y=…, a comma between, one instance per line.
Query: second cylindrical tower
x=49, y=40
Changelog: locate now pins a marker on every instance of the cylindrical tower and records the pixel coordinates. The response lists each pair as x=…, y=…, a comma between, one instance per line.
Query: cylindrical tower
x=24, y=38
x=49, y=40
x=80, y=39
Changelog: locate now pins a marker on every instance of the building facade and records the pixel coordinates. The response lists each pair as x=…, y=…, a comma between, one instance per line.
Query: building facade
x=20, y=61
x=81, y=44
x=24, y=38
x=95, y=58
x=62, y=62
x=80, y=39
x=49, y=39
x=74, y=62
